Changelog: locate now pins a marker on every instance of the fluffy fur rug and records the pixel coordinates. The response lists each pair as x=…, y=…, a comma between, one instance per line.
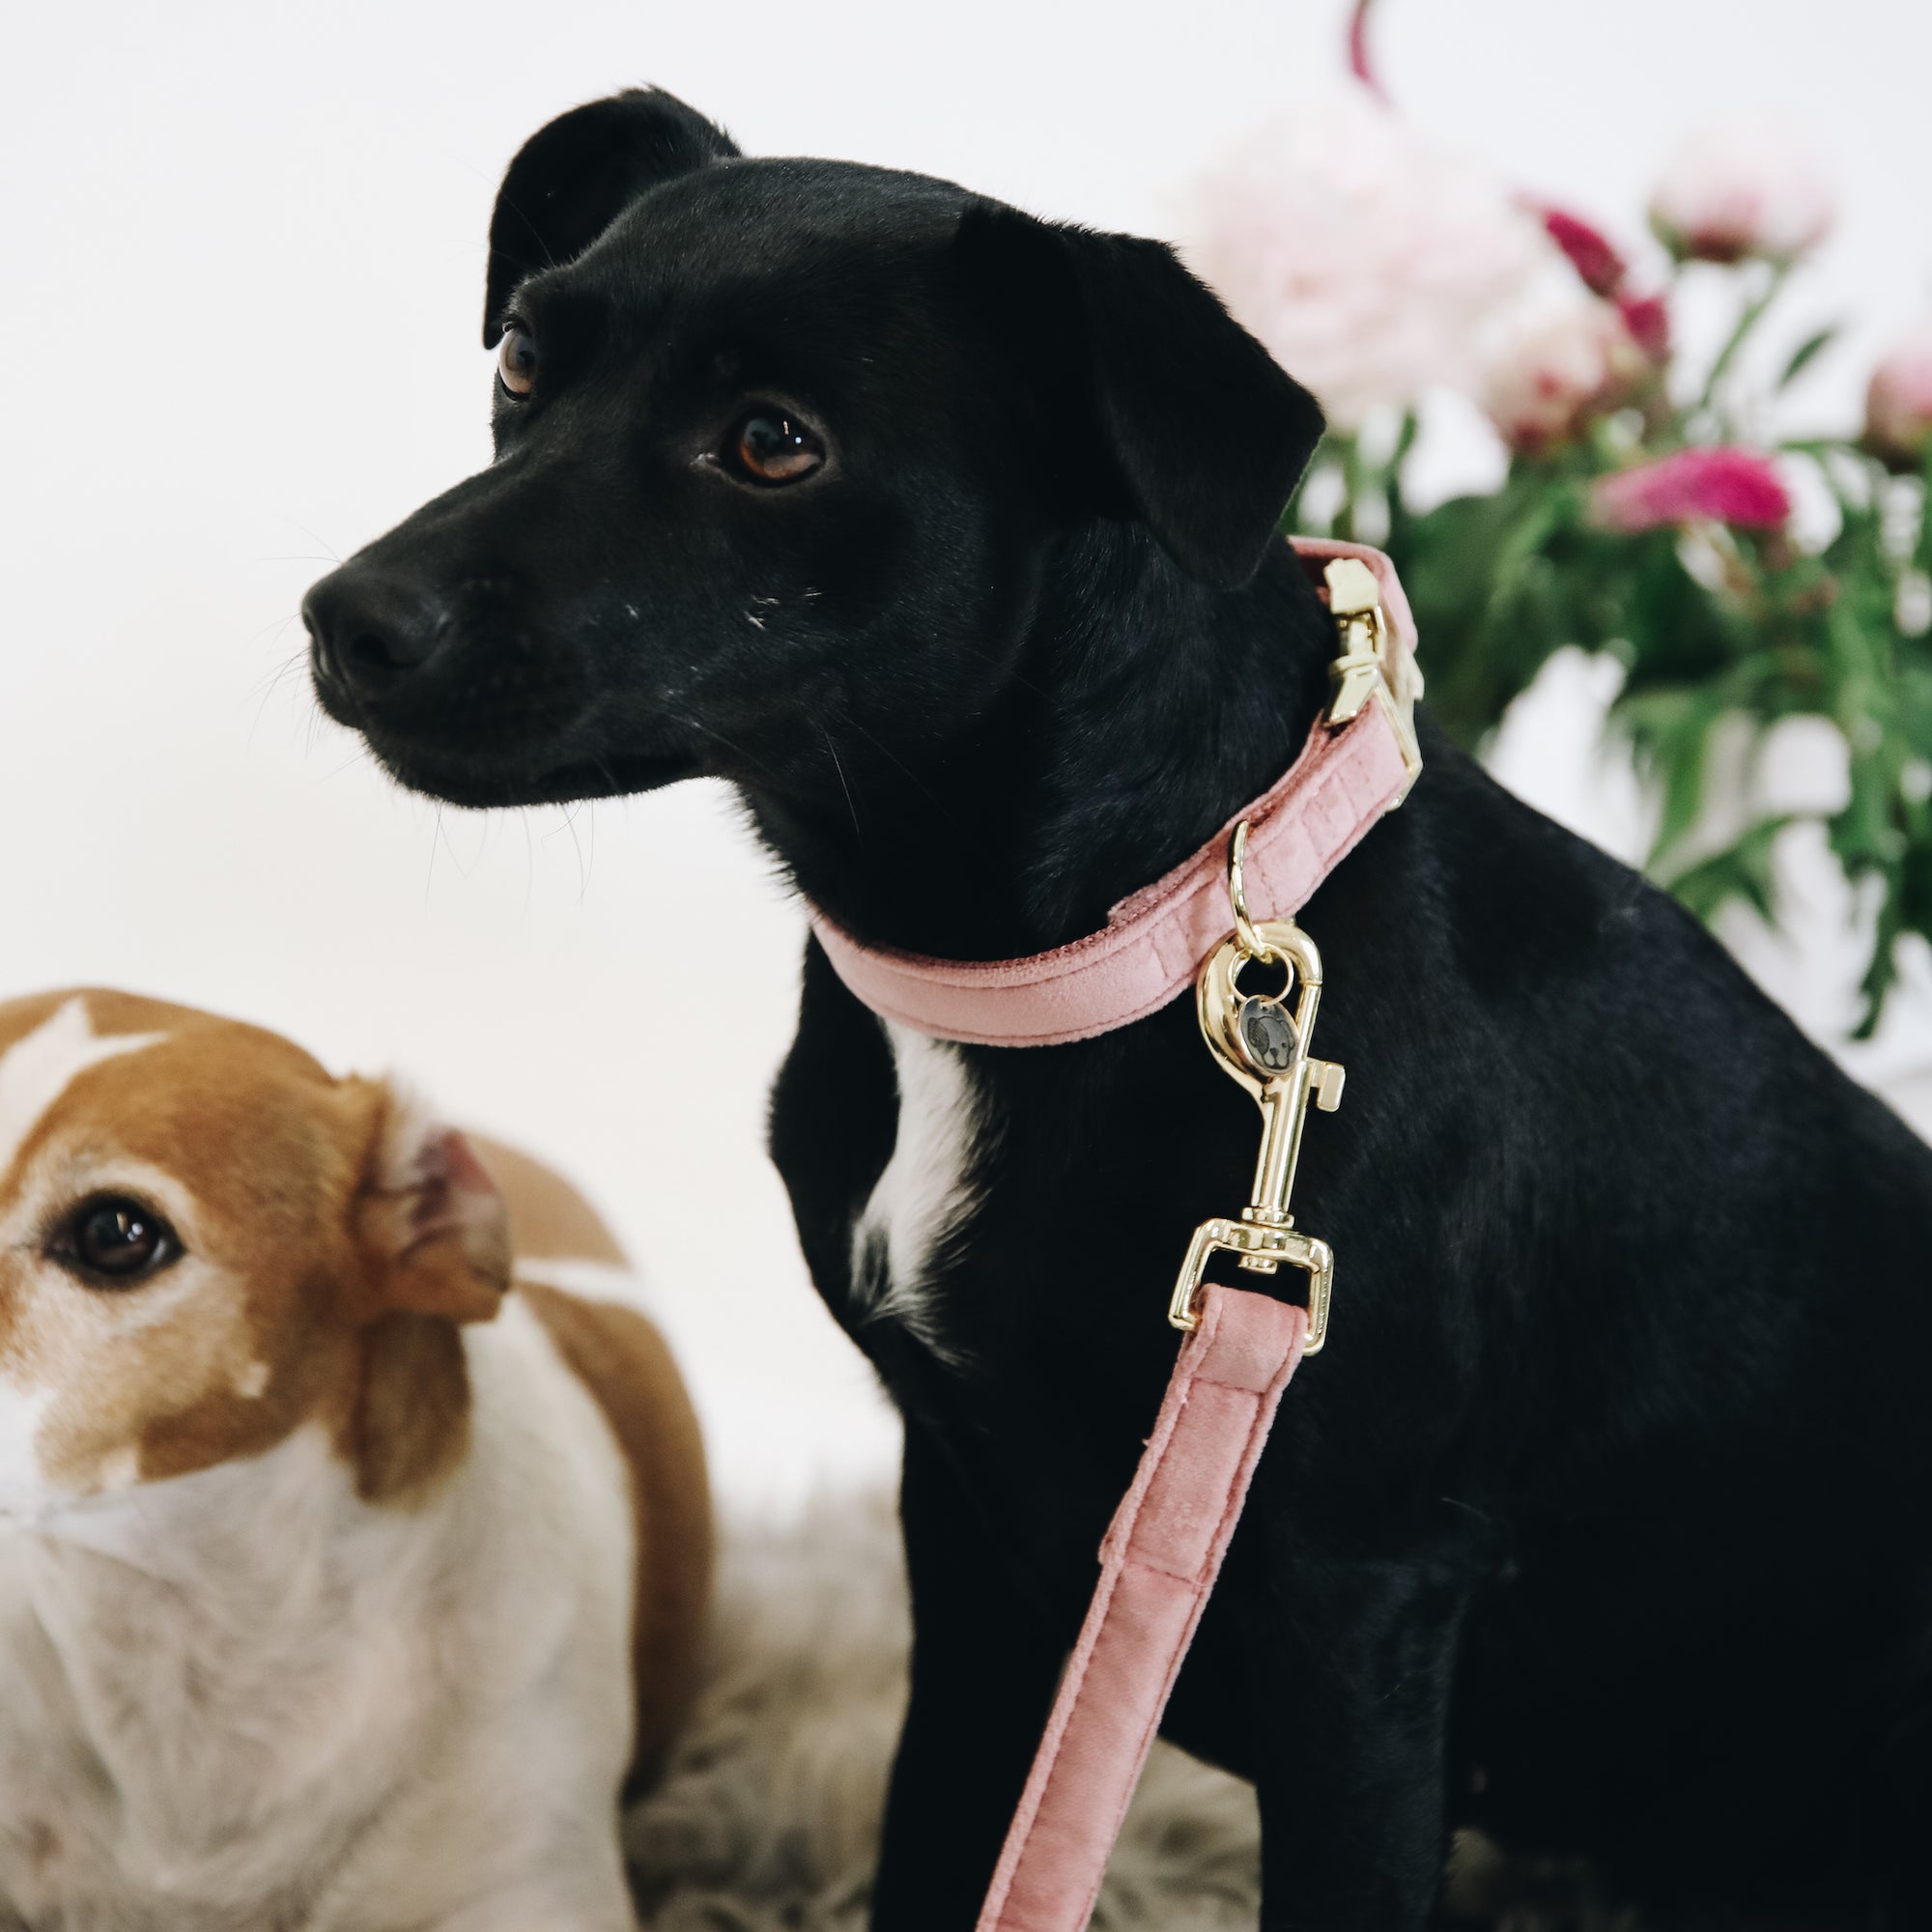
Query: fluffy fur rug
x=768, y=1818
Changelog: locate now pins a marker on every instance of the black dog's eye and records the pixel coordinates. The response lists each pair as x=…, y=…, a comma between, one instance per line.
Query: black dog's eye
x=517, y=360
x=115, y=1241
x=773, y=446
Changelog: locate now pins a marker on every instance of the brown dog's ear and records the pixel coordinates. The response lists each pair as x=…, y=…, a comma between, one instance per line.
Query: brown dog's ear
x=433, y=1229
x=1157, y=403
x=573, y=177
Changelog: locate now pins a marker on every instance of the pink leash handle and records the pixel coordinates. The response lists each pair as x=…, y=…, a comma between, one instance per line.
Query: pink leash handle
x=1158, y=1566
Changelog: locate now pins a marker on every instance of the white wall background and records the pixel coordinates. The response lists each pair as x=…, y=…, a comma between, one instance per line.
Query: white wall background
x=241, y=269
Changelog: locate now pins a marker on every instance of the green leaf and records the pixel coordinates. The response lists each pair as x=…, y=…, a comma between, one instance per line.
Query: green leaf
x=1804, y=354
x=1882, y=969
x=1673, y=741
x=1743, y=871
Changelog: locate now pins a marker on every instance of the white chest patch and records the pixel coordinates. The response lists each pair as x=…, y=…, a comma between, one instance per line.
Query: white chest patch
x=35, y=1071
x=928, y=1190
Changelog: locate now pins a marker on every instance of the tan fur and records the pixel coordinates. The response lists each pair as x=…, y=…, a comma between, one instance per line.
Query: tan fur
x=550, y=1220
x=411, y=1420
x=622, y=1359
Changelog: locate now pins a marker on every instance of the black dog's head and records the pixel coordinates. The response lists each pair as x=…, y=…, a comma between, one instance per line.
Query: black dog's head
x=781, y=446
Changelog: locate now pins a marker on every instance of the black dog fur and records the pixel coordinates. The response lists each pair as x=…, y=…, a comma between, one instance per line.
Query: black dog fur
x=1602, y=1525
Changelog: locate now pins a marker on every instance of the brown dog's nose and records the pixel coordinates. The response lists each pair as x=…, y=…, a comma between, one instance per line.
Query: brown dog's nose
x=370, y=633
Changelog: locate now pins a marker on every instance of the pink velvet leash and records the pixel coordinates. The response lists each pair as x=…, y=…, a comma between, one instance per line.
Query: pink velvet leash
x=1158, y=1566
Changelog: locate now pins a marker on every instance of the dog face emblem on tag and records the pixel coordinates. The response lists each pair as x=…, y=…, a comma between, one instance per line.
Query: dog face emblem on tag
x=1267, y=1034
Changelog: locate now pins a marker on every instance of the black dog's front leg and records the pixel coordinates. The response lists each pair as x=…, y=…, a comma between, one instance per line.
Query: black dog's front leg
x=1351, y=1666
x=982, y=1680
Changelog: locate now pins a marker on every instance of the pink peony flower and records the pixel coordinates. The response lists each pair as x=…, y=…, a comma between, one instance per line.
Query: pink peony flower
x=1729, y=485
x=1898, y=404
x=1589, y=250
x=1728, y=195
x=1648, y=320
x=1560, y=370
x=1372, y=263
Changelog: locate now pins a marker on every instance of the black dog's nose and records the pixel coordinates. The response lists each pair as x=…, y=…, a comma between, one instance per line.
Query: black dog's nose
x=370, y=633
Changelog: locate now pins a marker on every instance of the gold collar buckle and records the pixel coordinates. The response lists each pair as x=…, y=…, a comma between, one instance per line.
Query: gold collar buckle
x=1371, y=669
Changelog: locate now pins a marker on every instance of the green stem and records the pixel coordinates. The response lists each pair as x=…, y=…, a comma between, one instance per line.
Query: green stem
x=1754, y=314
x=1354, y=480
x=1923, y=547
x=1398, y=504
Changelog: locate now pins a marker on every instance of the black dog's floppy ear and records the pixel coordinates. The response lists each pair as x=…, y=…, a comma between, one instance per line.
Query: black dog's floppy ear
x=1202, y=434
x=573, y=177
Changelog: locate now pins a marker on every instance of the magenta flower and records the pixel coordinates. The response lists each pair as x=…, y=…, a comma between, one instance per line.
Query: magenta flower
x=1590, y=253
x=1648, y=320
x=1727, y=486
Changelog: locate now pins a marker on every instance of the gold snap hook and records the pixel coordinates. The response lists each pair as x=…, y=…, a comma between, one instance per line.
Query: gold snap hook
x=1264, y=1239
x=1250, y=941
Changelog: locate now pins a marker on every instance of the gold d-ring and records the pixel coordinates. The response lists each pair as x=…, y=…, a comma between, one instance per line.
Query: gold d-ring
x=1251, y=942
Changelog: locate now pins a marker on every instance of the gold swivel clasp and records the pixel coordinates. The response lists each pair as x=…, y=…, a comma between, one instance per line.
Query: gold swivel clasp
x=1264, y=1045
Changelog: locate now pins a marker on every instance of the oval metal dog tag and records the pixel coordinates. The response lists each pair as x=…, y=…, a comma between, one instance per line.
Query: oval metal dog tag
x=1267, y=1034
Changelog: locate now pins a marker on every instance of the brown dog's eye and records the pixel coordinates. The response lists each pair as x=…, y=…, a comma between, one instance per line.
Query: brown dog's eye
x=116, y=1241
x=517, y=360
x=774, y=446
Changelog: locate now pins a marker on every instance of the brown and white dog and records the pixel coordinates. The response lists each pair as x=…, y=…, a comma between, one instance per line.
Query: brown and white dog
x=341, y=1582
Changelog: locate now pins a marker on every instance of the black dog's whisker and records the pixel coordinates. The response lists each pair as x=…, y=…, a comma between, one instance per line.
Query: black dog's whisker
x=270, y=683
x=268, y=679
x=329, y=553
x=951, y=814
x=568, y=823
x=463, y=871
x=359, y=756
x=736, y=749
x=833, y=749
x=576, y=845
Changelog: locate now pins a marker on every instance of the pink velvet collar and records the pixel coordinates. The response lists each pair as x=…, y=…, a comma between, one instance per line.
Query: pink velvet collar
x=1149, y=951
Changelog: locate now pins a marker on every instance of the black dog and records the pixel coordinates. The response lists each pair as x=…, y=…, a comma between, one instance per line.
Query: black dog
x=948, y=536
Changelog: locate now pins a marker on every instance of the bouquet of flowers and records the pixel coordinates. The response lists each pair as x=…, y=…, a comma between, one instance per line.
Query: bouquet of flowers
x=1647, y=509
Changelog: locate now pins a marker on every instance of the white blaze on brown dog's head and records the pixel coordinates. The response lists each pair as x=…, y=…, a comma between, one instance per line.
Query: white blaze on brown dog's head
x=206, y=1240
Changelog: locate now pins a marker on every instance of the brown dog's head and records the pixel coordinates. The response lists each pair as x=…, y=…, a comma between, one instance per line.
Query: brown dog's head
x=205, y=1241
